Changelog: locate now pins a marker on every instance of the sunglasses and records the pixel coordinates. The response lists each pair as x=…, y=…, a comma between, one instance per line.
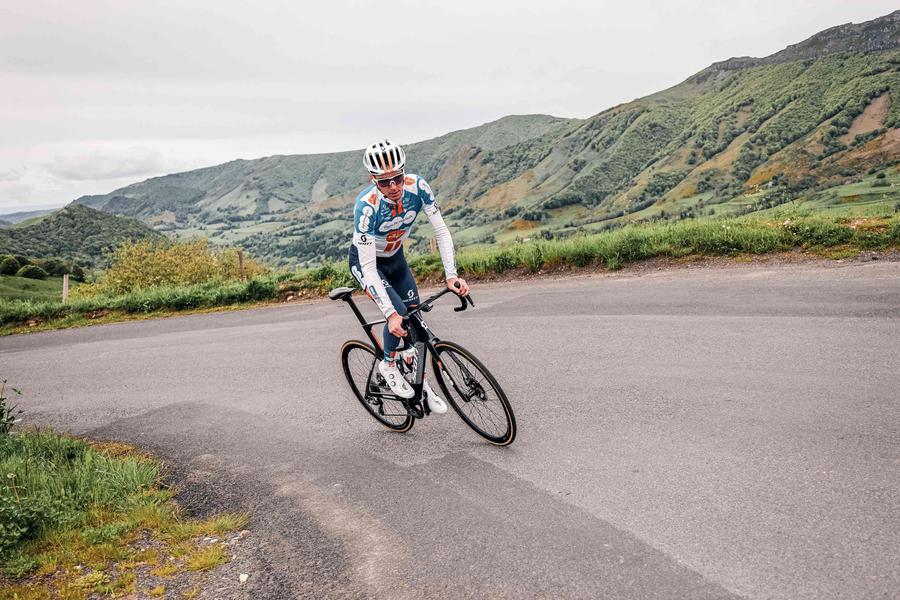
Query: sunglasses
x=385, y=183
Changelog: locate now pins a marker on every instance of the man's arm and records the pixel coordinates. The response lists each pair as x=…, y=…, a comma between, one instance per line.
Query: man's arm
x=364, y=240
x=441, y=232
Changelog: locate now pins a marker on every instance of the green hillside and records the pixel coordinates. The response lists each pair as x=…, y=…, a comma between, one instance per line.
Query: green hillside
x=263, y=189
x=74, y=232
x=22, y=288
x=743, y=135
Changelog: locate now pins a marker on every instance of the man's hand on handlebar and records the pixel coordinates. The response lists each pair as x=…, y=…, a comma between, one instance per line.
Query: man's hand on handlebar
x=395, y=325
x=463, y=286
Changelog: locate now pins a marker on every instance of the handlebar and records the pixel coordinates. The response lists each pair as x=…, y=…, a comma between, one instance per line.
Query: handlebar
x=425, y=306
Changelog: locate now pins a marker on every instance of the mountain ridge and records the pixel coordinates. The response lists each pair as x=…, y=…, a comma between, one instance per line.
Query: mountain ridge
x=740, y=135
x=876, y=35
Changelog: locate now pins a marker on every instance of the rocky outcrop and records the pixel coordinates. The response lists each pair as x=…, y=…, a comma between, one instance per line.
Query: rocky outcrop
x=876, y=35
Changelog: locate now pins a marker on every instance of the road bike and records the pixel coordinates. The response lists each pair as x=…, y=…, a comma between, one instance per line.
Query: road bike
x=466, y=383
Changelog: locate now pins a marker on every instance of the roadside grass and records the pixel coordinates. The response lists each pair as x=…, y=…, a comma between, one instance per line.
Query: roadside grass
x=731, y=237
x=80, y=518
x=828, y=236
x=145, y=301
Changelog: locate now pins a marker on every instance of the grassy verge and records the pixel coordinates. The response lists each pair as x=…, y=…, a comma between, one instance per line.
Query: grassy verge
x=145, y=301
x=80, y=519
x=829, y=236
x=616, y=248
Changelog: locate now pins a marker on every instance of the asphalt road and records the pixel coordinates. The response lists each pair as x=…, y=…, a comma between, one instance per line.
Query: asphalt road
x=699, y=433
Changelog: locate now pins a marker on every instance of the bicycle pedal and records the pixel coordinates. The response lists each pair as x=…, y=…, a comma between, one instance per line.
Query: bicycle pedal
x=414, y=408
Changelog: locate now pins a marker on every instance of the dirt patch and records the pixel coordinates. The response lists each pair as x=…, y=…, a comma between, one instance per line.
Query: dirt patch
x=723, y=161
x=871, y=118
x=520, y=224
x=508, y=193
x=320, y=190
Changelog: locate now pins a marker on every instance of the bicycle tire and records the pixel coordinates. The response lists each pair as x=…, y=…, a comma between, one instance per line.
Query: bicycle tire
x=469, y=399
x=358, y=360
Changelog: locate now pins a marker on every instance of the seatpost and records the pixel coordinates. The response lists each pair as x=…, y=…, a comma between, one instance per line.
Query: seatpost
x=349, y=300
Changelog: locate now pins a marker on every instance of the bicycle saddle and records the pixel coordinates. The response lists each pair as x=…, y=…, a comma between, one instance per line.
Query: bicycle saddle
x=339, y=293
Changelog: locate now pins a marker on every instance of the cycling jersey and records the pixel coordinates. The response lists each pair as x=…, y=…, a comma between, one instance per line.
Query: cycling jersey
x=381, y=226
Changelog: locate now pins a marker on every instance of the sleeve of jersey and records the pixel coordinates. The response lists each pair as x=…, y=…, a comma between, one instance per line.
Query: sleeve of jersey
x=364, y=240
x=441, y=232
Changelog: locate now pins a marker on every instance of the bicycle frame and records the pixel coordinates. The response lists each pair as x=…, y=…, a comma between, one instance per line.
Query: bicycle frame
x=422, y=346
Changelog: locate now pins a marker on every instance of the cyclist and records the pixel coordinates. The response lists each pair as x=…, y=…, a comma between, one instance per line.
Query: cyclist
x=382, y=219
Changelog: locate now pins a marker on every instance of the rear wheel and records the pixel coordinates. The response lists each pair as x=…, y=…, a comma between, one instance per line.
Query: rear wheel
x=359, y=362
x=474, y=393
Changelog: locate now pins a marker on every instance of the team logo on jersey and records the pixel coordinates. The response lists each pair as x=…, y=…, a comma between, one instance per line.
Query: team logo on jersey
x=398, y=222
x=423, y=185
x=365, y=218
x=409, y=181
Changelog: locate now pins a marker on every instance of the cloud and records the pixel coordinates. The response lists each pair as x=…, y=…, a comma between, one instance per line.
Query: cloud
x=107, y=164
x=11, y=175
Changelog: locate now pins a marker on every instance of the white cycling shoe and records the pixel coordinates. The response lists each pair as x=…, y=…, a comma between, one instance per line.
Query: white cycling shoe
x=395, y=379
x=436, y=404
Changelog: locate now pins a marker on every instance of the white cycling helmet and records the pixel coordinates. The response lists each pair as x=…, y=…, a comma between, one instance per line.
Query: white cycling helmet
x=384, y=157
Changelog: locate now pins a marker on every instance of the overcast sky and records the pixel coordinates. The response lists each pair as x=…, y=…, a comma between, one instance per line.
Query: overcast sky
x=95, y=94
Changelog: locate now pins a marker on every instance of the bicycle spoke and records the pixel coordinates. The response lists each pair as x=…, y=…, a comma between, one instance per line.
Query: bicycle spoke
x=359, y=364
x=481, y=412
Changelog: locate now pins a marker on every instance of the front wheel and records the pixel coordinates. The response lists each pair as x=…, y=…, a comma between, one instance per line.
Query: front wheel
x=358, y=359
x=474, y=393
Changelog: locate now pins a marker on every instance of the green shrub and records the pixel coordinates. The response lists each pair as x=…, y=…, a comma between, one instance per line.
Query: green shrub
x=32, y=272
x=18, y=564
x=504, y=261
x=9, y=266
x=77, y=273
x=869, y=240
x=55, y=266
x=260, y=289
x=147, y=265
x=819, y=232
x=893, y=233
x=8, y=413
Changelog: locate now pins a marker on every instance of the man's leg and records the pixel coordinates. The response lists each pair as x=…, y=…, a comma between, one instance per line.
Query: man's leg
x=404, y=294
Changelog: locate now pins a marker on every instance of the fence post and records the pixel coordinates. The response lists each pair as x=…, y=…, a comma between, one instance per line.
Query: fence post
x=432, y=244
x=65, y=288
x=241, y=263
